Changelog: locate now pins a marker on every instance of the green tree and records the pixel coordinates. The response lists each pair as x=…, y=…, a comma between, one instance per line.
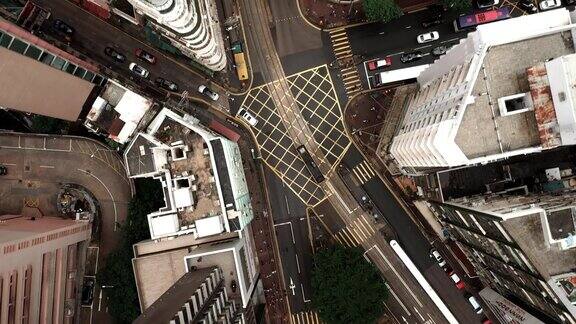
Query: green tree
x=381, y=10
x=458, y=6
x=123, y=302
x=345, y=287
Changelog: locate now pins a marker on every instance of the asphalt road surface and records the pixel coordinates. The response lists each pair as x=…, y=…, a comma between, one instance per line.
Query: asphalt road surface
x=291, y=226
x=378, y=40
x=92, y=35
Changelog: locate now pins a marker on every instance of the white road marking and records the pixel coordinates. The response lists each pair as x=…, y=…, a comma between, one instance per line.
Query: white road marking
x=422, y=47
x=297, y=263
x=8, y=164
x=399, y=53
x=397, y=299
x=395, y=272
x=450, y=40
x=303, y=295
x=338, y=196
x=417, y=312
x=111, y=197
x=287, y=206
x=291, y=229
x=47, y=166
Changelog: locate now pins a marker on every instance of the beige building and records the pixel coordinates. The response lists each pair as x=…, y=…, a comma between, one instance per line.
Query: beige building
x=40, y=268
x=39, y=78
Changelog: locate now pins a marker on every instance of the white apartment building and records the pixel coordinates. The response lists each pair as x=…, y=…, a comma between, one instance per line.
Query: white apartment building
x=191, y=25
x=502, y=91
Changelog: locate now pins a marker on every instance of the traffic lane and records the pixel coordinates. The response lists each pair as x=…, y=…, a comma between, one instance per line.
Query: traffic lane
x=454, y=298
x=290, y=265
x=293, y=239
x=377, y=39
x=92, y=35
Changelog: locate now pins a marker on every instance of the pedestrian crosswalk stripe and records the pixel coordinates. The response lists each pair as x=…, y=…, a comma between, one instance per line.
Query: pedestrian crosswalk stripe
x=368, y=223
x=306, y=317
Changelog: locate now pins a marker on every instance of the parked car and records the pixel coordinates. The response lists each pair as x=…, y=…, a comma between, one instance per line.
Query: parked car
x=439, y=50
x=145, y=56
x=379, y=63
x=482, y=4
x=486, y=320
x=569, y=2
x=248, y=117
x=428, y=37
x=117, y=56
x=431, y=22
x=527, y=6
x=63, y=27
x=3, y=170
x=436, y=255
x=138, y=70
x=411, y=57
x=550, y=4
x=166, y=84
x=88, y=291
x=472, y=300
x=208, y=92
x=459, y=283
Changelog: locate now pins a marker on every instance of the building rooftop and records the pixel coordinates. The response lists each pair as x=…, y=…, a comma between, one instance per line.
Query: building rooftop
x=484, y=130
x=529, y=233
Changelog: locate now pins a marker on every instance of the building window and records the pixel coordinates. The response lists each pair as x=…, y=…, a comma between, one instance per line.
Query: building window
x=6, y=40
x=58, y=63
x=33, y=52
x=70, y=68
x=18, y=46
x=46, y=58
x=12, y=297
x=26, y=297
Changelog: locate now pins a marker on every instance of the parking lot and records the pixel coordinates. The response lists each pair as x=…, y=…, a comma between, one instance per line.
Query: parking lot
x=317, y=103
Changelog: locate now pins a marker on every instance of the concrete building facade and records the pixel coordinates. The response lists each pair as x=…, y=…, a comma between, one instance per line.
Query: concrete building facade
x=191, y=25
x=482, y=101
x=40, y=268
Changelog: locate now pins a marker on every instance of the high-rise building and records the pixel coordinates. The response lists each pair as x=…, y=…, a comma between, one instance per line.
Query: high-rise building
x=38, y=77
x=515, y=220
x=197, y=297
x=40, y=268
x=503, y=91
x=192, y=26
x=206, y=217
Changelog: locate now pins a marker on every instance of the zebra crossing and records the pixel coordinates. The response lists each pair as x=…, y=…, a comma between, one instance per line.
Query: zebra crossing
x=355, y=233
x=305, y=318
x=343, y=52
x=364, y=172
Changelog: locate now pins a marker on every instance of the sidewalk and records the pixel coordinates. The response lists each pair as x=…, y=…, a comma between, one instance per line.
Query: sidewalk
x=326, y=14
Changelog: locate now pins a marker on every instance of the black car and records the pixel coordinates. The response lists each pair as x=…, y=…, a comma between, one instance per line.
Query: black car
x=411, y=57
x=63, y=27
x=166, y=84
x=435, y=21
x=439, y=50
x=88, y=291
x=3, y=170
x=527, y=6
x=117, y=56
x=482, y=4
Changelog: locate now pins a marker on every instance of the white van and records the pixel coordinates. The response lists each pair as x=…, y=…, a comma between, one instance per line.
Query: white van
x=477, y=308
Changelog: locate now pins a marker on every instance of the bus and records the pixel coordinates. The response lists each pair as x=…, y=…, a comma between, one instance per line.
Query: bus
x=310, y=164
x=479, y=18
x=405, y=75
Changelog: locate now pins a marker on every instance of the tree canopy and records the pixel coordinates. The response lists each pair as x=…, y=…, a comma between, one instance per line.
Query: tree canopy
x=458, y=6
x=381, y=10
x=345, y=287
x=123, y=302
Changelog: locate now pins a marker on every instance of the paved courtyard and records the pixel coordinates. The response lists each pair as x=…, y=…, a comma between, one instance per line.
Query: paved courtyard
x=315, y=96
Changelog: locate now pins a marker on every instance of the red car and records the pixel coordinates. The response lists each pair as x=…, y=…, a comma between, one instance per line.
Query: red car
x=459, y=283
x=145, y=56
x=379, y=63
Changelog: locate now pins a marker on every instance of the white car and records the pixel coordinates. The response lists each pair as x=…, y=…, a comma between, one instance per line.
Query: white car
x=550, y=4
x=428, y=37
x=248, y=117
x=436, y=255
x=208, y=93
x=138, y=70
